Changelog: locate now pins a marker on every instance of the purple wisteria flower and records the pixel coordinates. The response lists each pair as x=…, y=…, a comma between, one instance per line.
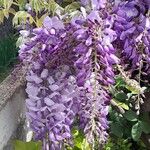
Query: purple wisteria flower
x=53, y=22
x=52, y=104
x=93, y=36
x=70, y=70
x=51, y=85
x=95, y=4
x=133, y=29
x=94, y=66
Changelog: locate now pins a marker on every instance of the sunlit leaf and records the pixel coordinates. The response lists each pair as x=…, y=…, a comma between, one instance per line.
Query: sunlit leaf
x=37, y=5
x=7, y=4
x=86, y=145
x=1, y=16
x=72, y=7
x=80, y=142
x=6, y=13
x=78, y=138
x=39, y=21
x=21, y=17
x=136, y=131
x=54, y=7
x=20, y=145
x=21, y=3
x=132, y=89
x=123, y=105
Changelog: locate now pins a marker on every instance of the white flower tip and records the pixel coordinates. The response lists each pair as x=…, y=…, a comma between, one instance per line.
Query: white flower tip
x=83, y=12
x=29, y=136
x=24, y=33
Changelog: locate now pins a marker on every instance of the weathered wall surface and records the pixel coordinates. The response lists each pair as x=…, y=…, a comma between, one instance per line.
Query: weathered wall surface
x=12, y=99
x=10, y=116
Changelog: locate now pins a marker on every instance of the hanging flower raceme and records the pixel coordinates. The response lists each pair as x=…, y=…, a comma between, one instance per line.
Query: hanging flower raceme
x=133, y=28
x=51, y=85
x=70, y=71
x=94, y=110
x=95, y=54
x=95, y=4
x=95, y=37
x=44, y=42
x=52, y=105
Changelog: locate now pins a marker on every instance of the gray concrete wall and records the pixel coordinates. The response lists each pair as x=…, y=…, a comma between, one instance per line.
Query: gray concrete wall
x=12, y=108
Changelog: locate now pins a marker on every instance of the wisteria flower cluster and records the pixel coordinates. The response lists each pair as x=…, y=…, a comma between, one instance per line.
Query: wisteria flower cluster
x=71, y=67
x=52, y=105
x=133, y=28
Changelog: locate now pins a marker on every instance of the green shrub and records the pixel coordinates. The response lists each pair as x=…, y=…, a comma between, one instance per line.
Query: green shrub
x=8, y=54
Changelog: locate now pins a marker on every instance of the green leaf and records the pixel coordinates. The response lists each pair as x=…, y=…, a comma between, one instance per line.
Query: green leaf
x=130, y=115
x=116, y=129
x=136, y=131
x=78, y=138
x=132, y=89
x=21, y=17
x=121, y=96
x=66, y=2
x=7, y=3
x=54, y=7
x=21, y=3
x=85, y=145
x=1, y=16
x=20, y=145
x=72, y=7
x=37, y=5
x=123, y=105
x=119, y=82
x=6, y=13
x=145, y=127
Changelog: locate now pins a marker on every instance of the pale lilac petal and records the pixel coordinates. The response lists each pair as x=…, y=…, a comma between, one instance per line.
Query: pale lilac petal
x=44, y=73
x=48, y=102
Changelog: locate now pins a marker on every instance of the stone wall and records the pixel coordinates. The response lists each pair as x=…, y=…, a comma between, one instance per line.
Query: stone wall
x=12, y=108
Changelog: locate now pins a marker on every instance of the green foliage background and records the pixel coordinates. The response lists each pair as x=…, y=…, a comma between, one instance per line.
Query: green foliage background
x=8, y=54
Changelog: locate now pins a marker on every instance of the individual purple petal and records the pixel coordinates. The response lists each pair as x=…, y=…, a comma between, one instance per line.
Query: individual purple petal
x=53, y=22
x=56, y=23
x=97, y=4
x=44, y=73
x=115, y=60
x=94, y=16
x=29, y=102
x=60, y=116
x=88, y=41
x=81, y=48
x=54, y=87
x=47, y=22
x=48, y=102
x=58, y=107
